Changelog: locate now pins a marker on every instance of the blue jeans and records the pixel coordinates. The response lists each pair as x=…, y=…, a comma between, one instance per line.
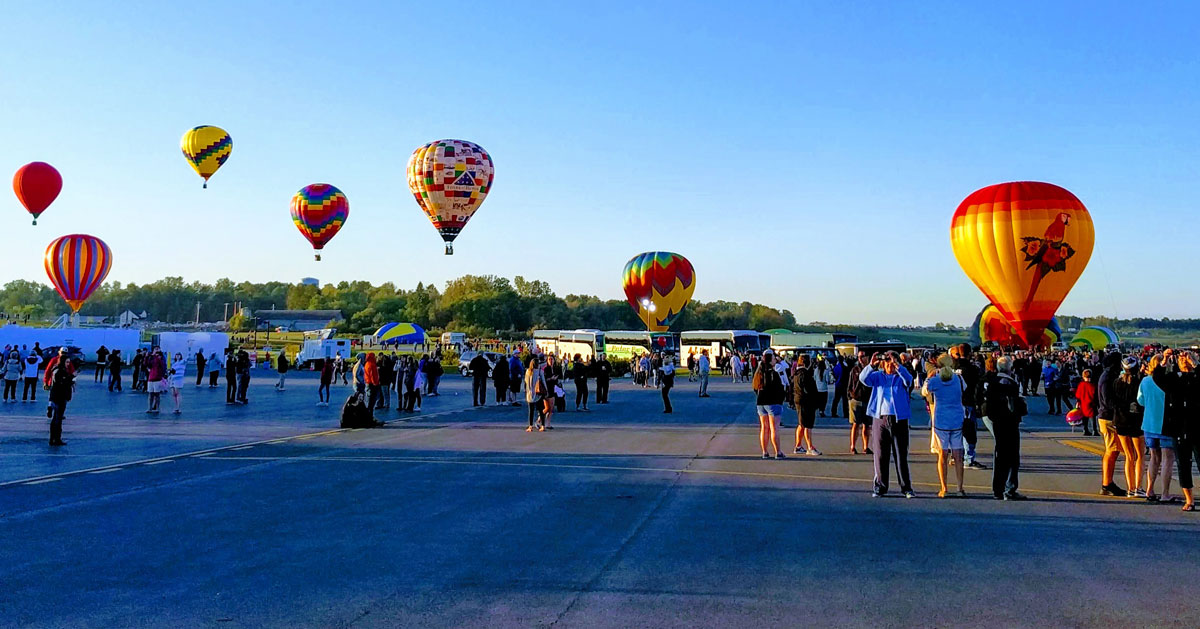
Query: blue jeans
x=970, y=428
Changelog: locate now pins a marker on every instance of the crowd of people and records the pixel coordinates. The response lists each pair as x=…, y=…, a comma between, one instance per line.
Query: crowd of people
x=1145, y=405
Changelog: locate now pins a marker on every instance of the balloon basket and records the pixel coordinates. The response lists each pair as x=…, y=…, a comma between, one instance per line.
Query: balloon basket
x=35, y=221
x=449, y=249
x=205, y=186
x=318, y=257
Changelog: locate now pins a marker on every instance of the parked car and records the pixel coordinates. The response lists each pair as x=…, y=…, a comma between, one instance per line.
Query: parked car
x=74, y=354
x=464, y=361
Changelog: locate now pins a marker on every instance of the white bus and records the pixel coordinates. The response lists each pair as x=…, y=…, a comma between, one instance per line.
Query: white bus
x=586, y=343
x=625, y=344
x=723, y=342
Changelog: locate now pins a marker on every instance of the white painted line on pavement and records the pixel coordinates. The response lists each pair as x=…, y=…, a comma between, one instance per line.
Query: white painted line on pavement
x=106, y=471
x=159, y=462
x=44, y=480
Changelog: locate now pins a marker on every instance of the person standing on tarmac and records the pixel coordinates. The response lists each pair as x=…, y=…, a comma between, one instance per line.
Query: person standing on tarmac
x=230, y=377
x=889, y=406
x=281, y=367
x=667, y=379
x=479, y=367
x=60, y=382
x=703, y=366
x=971, y=377
x=101, y=361
x=603, y=370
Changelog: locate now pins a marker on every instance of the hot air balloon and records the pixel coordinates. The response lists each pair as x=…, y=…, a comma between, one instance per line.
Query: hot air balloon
x=991, y=326
x=319, y=210
x=37, y=185
x=1024, y=244
x=450, y=179
x=1095, y=337
x=206, y=148
x=658, y=284
x=77, y=265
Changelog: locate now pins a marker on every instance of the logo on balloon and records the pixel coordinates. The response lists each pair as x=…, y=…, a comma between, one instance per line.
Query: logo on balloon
x=1049, y=254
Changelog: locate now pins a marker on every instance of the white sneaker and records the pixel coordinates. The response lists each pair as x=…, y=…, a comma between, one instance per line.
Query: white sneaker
x=814, y=452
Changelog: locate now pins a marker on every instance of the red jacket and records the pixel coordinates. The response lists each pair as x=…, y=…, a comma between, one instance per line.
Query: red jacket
x=1086, y=394
x=48, y=376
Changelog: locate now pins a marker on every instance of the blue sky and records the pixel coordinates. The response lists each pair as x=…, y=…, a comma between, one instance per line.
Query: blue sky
x=804, y=155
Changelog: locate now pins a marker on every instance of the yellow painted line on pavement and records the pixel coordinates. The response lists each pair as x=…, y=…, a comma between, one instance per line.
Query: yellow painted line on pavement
x=1086, y=446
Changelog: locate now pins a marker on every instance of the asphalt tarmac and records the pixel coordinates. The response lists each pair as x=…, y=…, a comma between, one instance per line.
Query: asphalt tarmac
x=269, y=515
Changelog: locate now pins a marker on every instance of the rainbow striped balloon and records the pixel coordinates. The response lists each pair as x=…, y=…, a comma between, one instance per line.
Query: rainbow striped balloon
x=663, y=280
x=77, y=265
x=319, y=210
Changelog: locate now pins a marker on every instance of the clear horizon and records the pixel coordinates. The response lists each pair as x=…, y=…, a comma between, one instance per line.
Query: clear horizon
x=803, y=157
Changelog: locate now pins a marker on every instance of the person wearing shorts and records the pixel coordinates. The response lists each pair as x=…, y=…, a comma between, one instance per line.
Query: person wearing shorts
x=859, y=395
x=769, y=392
x=807, y=400
x=943, y=390
x=1105, y=412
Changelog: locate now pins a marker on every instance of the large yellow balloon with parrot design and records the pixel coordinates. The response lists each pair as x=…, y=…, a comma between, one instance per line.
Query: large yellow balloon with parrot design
x=1024, y=244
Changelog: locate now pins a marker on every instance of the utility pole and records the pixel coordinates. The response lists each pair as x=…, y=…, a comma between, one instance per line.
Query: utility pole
x=197, y=314
x=226, y=317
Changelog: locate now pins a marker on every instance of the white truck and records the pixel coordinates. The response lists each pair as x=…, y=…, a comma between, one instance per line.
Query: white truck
x=320, y=345
x=86, y=339
x=454, y=338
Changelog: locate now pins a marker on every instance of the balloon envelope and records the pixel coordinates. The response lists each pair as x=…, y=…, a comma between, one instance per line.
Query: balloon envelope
x=450, y=179
x=666, y=279
x=1095, y=337
x=77, y=265
x=37, y=185
x=206, y=148
x=319, y=210
x=400, y=334
x=991, y=326
x=1024, y=244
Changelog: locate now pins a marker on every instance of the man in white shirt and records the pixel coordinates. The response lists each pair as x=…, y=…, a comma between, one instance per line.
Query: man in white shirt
x=702, y=366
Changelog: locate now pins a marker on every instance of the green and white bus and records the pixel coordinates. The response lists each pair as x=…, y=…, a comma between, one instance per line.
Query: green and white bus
x=625, y=344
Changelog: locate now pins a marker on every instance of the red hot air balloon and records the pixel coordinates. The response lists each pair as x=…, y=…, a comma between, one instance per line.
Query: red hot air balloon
x=37, y=185
x=77, y=265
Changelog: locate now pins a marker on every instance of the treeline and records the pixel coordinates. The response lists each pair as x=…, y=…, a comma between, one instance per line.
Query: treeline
x=478, y=305
x=1136, y=323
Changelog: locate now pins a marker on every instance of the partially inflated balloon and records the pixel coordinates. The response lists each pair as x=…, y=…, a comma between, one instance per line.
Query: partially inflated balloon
x=319, y=210
x=991, y=326
x=1024, y=244
x=77, y=265
x=37, y=185
x=206, y=148
x=666, y=279
x=450, y=179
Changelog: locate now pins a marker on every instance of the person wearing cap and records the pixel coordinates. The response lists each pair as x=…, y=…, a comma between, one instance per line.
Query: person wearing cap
x=666, y=379
x=859, y=395
x=1127, y=421
x=889, y=408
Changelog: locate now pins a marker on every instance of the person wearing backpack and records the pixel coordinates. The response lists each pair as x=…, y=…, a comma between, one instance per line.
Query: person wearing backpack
x=60, y=382
x=1004, y=407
